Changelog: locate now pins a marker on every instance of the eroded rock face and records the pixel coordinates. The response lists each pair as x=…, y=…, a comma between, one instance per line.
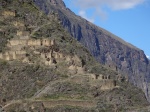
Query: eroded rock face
x=104, y=46
x=29, y=85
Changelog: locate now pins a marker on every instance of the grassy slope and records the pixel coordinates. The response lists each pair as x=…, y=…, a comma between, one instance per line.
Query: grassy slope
x=21, y=81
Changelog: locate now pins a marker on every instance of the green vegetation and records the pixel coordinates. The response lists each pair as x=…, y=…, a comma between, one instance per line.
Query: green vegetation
x=22, y=80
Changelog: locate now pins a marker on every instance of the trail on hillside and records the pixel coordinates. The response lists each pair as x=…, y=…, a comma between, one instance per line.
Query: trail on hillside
x=54, y=103
x=45, y=89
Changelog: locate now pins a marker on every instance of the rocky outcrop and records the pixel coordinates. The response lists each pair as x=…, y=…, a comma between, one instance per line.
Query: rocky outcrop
x=26, y=83
x=107, y=48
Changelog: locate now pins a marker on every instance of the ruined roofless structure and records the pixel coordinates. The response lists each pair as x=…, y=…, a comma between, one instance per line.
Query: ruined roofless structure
x=31, y=42
x=19, y=54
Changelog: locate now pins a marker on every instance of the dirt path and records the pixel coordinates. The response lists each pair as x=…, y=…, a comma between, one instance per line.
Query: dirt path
x=78, y=103
x=36, y=29
x=54, y=103
x=11, y=103
x=46, y=88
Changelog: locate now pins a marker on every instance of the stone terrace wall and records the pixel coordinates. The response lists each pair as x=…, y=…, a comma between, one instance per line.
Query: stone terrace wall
x=8, y=13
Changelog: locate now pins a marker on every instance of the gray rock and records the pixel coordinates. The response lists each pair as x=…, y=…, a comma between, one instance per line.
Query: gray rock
x=107, y=48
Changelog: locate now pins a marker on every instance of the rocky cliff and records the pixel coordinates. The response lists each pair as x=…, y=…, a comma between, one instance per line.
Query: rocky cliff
x=43, y=68
x=107, y=48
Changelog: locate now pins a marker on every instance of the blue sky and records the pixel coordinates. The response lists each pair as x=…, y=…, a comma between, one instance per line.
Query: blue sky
x=128, y=19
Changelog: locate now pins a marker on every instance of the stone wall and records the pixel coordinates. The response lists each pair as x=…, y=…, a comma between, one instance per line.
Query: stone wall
x=8, y=13
x=47, y=42
x=17, y=42
x=18, y=24
x=49, y=58
x=22, y=33
x=103, y=81
x=73, y=63
x=31, y=42
x=99, y=77
x=49, y=62
x=12, y=55
x=108, y=84
x=92, y=76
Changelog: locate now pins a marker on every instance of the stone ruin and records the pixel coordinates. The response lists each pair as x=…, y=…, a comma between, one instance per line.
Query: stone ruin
x=99, y=77
x=18, y=24
x=50, y=58
x=16, y=46
x=73, y=62
x=103, y=81
x=122, y=78
x=13, y=55
x=8, y=13
x=31, y=42
x=22, y=33
x=108, y=84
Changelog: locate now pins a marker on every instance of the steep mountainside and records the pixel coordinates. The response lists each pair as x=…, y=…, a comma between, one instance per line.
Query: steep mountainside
x=44, y=69
x=107, y=48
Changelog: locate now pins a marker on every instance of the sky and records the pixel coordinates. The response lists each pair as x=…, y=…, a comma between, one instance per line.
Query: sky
x=128, y=19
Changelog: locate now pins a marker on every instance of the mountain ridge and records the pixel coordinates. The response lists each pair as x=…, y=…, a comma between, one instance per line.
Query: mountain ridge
x=43, y=68
x=63, y=7
x=105, y=47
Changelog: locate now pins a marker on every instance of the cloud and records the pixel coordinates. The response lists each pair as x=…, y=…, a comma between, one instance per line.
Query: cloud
x=113, y=4
x=148, y=56
x=100, y=6
x=83, y=14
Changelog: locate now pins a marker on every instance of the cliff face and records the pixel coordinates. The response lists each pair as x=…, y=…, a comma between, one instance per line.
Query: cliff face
x=107, y=48
x=44, y=69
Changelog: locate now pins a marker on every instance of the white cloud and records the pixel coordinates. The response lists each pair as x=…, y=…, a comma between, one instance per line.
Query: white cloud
x=83, y=14
x=148, y=56
x=99, y=6
x=113, y=4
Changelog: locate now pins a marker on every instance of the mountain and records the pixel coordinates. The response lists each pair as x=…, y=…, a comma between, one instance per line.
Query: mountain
x=43, y=68
x=107, y=48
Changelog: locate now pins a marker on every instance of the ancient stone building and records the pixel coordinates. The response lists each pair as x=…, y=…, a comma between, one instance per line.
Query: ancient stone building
x=30, y=42
x=22, y=33
x=100, y=77
x=103, y=81
x=12, y=55
x=121, y=78
x=56, y=55
x=49, y=62
x=46, y=42
x=15, y=42
x=108, y=84
x=8, y=13
x=48, y=58
x=38, y=42
x=93, y=76
x=34, y=42
x=18, y=24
